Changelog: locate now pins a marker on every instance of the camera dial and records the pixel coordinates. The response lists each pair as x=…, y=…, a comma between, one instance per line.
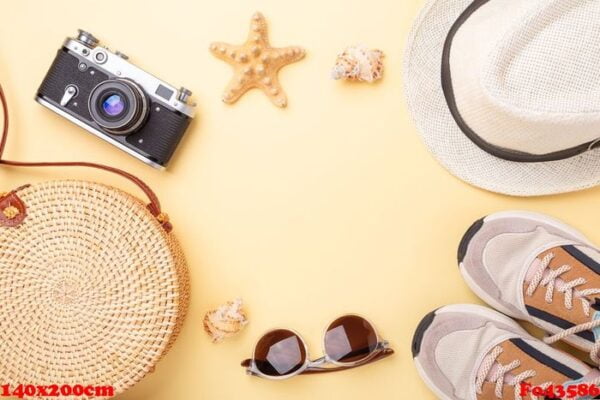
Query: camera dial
x=87, y=38
x=119, y=106
x=184, y=94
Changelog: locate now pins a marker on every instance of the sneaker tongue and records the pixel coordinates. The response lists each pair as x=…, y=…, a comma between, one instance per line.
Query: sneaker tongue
x=533, y=269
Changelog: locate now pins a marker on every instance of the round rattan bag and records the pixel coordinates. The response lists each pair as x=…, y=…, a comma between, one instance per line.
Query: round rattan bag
x=93, y=286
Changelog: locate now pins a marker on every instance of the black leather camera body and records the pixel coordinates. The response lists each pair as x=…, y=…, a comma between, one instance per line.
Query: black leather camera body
x=108, y=96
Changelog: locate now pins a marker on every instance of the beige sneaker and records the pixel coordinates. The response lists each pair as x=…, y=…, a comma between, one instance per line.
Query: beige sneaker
x=535, y=268
x=468, y=352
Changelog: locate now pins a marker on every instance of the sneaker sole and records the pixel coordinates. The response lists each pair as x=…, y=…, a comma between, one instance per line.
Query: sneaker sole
x=428, y=320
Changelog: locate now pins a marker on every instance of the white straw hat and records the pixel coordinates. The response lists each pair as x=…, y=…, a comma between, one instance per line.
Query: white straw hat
x=506, y=93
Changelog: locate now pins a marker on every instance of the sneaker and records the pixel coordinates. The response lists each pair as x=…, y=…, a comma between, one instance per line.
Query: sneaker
x=535, y=268
x=468, y=352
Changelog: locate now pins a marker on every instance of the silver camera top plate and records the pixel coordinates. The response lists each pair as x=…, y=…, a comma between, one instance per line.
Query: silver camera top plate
x=118, y=65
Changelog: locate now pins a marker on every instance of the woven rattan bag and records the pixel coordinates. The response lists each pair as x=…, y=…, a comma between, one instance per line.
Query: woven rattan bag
x=93, y=285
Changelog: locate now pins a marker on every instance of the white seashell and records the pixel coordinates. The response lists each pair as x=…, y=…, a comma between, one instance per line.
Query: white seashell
x=359, y=63
x=225, y=321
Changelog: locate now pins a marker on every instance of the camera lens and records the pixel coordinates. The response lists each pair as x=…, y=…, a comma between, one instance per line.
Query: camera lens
x=113, y=105
x=119, y=106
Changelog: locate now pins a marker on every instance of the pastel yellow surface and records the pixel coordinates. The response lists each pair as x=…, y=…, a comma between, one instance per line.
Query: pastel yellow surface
x=330, y=206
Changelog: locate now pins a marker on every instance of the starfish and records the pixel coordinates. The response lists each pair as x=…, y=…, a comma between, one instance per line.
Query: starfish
x=256, y=63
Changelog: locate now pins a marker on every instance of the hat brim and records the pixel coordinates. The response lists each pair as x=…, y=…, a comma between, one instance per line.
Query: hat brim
x=444, y=138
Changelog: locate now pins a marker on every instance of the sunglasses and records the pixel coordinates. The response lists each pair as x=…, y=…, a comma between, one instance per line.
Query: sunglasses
x=350, y=341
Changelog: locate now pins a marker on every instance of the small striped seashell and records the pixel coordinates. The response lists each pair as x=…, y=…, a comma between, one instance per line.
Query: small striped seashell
x=359, y=63
x=225, y=321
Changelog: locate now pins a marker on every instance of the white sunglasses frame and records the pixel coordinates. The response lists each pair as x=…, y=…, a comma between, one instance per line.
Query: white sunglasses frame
x=319, y=365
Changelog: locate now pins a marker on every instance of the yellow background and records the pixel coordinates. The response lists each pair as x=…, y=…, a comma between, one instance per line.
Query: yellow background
x=330, y=206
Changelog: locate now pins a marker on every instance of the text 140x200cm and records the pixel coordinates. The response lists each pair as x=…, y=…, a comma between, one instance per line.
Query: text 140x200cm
x=22, y=390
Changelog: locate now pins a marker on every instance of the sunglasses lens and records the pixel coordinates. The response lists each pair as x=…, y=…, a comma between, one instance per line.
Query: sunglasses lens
x=279, y=353
x=350, y=339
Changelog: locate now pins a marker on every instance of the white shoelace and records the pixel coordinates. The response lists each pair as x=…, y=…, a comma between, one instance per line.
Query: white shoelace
x=569, y=289
x=500, y=373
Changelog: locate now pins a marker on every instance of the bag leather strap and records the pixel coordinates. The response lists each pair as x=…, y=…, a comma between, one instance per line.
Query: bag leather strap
x=153, y=207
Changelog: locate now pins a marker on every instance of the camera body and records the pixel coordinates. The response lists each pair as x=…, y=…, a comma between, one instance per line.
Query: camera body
x=120, y=103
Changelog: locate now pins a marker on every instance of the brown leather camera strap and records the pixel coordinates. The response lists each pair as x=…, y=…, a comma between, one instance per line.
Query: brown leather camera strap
x=154, y=205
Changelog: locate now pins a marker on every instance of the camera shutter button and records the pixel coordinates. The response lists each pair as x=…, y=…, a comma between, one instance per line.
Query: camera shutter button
x=100, y=57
